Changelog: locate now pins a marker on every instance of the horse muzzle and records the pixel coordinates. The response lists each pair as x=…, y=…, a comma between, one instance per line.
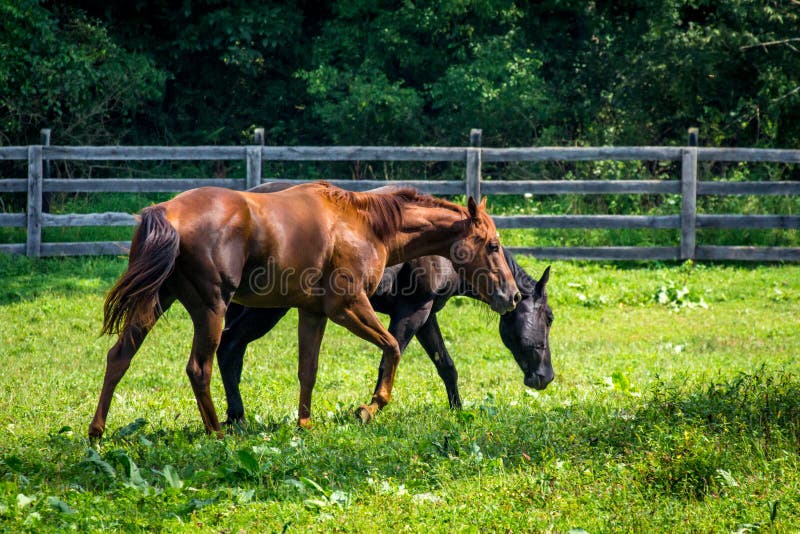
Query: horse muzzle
x=538, y=381
x=503, y=304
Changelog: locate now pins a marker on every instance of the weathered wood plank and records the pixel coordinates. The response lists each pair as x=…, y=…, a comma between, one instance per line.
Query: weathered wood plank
x=18, y=220
x=587, y=221
x=388, y=153
x=646, y=153
x=362, y=153
x=167, y=185
x=138, y=185
x=714, y=253
x=44, y=136
x=12, y=248
x=786, y=222
x=14, y=152
x=93, y=248
x=34, y=211
x=707, y=253
x=581, y=187
x=749, y=154
x=253, y=167
x=748, y=188
x=274, y=153
x=473, y=171
x=599, y=253
x=431, y=187
x=118, y=153
x=89, y=219
x=688, y=202
x=13, y=185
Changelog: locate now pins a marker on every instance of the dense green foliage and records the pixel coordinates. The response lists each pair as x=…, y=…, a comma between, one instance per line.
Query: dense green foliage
x=365, y=72
x=675, y=408
x=63, y=70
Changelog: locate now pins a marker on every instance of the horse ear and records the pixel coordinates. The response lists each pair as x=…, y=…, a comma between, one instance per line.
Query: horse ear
x=540, y=285
x=473, y=209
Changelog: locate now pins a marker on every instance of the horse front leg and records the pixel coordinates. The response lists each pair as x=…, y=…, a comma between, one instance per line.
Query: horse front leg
x=359, y=317
x=430, y=337
x=310, y=329
x=242, y=326
x=406, y=320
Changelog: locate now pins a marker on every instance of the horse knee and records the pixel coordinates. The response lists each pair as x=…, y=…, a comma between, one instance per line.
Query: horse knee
x=197, y=376
x=392, y=349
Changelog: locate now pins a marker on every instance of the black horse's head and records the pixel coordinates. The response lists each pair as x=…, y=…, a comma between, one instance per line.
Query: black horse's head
x=526, y=333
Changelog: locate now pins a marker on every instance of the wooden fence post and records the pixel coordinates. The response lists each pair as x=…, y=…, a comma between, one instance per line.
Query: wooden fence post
x=689, y=196
x=473, y=185
x=45, y=140
x=254, y=160
x=33, y=245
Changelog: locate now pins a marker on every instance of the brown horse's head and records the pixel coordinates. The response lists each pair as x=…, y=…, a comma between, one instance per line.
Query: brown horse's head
x=480, y=261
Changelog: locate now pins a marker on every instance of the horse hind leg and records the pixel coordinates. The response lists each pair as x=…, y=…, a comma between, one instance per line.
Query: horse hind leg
x=207, y=331
x=118, y=360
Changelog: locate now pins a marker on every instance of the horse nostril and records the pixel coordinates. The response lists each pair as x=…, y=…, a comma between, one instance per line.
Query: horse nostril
x=517, y=298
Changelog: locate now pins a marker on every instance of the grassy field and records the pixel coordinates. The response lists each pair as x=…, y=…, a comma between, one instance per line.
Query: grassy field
x=675, y=408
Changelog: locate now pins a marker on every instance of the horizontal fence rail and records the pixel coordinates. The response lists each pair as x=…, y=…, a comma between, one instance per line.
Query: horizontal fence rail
x=687, y=185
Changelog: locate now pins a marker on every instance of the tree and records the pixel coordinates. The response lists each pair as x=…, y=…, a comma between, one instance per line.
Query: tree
x=63, y=70
x=230, y=66
x=424, y=73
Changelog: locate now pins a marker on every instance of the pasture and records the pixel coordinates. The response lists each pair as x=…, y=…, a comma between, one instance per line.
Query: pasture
x=675, y=407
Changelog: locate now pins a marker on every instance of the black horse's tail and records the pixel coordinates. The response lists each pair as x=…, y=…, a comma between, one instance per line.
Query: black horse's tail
x=133, y=301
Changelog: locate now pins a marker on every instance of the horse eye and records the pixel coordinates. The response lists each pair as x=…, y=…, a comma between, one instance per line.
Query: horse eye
x=493, y=247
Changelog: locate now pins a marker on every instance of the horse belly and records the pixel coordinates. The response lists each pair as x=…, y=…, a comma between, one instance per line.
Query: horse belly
x=274, y=284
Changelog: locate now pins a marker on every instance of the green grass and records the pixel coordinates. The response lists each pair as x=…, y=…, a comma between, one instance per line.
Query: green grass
x=675, y=408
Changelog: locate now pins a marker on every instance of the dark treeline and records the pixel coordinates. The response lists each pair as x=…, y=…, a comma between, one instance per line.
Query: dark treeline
x=371, y=72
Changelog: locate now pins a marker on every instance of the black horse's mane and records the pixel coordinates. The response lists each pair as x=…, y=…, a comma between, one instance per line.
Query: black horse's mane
x=525, y=282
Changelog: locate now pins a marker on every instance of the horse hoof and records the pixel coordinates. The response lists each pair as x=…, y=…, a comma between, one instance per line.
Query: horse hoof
x=304, y=423
x=234, y=425
x=363, y=414
x=95, y=434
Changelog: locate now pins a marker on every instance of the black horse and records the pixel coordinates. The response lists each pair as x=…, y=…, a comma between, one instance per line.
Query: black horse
x=411, y=294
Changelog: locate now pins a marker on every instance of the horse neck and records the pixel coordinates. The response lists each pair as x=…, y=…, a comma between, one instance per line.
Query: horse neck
x=525, y=282
x=426, y=231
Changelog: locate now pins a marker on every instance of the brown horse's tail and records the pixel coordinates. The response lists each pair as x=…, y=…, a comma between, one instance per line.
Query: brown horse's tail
x=134, y=301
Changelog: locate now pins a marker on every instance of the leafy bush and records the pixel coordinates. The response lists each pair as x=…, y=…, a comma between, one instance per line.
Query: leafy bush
x=63, y=70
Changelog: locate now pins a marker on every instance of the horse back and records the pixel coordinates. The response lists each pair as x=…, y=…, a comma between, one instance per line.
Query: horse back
x=248, y=240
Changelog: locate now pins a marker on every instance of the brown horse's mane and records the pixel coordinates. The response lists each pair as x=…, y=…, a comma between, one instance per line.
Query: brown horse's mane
x=384, y=211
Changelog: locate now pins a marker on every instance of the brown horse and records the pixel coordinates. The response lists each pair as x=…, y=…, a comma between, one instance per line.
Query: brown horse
x=314, y=247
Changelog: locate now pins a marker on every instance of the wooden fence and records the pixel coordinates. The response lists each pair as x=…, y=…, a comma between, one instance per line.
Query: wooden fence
x=37, y=184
